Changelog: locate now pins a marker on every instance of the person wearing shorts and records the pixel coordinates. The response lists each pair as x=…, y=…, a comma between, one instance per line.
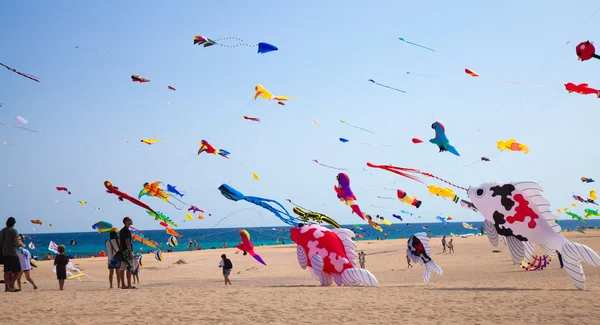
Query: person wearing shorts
x=127, y=248
x=25, y=262
x=227, y=266
x=114, y=266
x=9, y=238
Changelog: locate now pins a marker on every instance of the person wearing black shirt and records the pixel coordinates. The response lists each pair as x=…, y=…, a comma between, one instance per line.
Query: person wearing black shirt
x=127, y=249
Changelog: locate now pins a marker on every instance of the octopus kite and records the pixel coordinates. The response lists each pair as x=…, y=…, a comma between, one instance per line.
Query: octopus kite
x=234, y=195
x=247, y=247
x=153, y=189
x=585, y=51
x=206, y=42
x=122, y=195
x=512, y=145
x=208, y=148
x=263, y=93
x=441, y=140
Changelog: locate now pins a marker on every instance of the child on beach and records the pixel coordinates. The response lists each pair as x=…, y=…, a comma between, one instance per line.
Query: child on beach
x=25, y=261
x=136, y=269
x=227, y=266
x=361, y=259
x=61, y=262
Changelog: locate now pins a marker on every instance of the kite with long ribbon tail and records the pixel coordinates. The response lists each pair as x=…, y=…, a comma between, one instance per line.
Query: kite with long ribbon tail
x=21, y=127
x=234, y=195
x=473, y=74
x=247, y=247
x=415, y=44
x=357, y=127
x=206, y=42
x=28, y=76
x=122, y=195
x=328, y=165
x=396, y=89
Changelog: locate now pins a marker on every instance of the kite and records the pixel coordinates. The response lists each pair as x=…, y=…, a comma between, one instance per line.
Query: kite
x=582, y=89
x=397, y=170
x=416, y=140
x=585, y=51
x=19, y=127
x=92, y=50
x=442, y=219
x=579, y=229
x=172, y=241
x=415, y=44
x=330, y=255
x=314, y=122
x=20, y=73
x=537, y=263
x=136, y=78
x=151, y=141
x=328, y=165
x=255, y=176
x=315, y=216
x=208, y=148
x=173, y=189
x=246, y=246
x=195, y=209
x=366, y=144
x=37, y=222
x=587, y=180
x=162, y=218
x=64, y=189
x=172, y=231
x=206, y=42
x=122, y=195
x=382, y=220
x=82, y=203
x=593, y=195
x=345, y=194
x=590, y=212
x=468, y=226
x=443, y=192
x=103, y=226
x=372, y=223
x=189, y=216
x=402, y=196
x=158, y=255
x=344, y=140
x=20, y=120
x=473, y=74
x=397, y=217
x=419, y=250
x=512, y=145
x=255, y=119
x=153, y=189
x=263, y=93
x=171, y=88
x=396, y=89
x=485, y=159
x=519, y=211
x=441, y=140
x=234, y=195
x=354, y=126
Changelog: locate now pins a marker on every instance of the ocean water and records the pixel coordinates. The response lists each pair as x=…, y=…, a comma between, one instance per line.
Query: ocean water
x=93, y=243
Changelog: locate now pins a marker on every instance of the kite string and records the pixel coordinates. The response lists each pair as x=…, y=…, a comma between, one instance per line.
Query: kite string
x=443, y=180
x=234, y=38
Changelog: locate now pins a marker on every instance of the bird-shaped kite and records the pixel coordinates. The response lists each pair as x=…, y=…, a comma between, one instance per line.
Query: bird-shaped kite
x=263, y=93
x=585, y=51
x=247, y=247
x=153, y=189
x=441, y=140
x=208, y=148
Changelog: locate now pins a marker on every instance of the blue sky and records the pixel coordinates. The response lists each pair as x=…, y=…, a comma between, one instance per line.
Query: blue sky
x=327, y=52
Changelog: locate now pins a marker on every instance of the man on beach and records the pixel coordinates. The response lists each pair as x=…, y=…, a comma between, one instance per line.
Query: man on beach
x=9, y=237
x=444, y=244
x=127, y=248
x=227, y=266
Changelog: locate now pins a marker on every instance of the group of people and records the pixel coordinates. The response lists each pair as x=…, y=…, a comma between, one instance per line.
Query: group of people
x=121, y=259
x=15, y=257
x=449, y=244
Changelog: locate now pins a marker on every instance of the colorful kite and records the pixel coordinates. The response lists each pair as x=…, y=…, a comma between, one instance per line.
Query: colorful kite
x=512, y=145
x=189, y=216
x=28, y=76
x=151, y=141
x=328, y=165
x=208, y=148
x=443, y=192
x=582, y=89
x=397, y=217
x=20, y=120
x=485, y=159
x=416, y=140
x=255, y=119
x=172, y=241
x=330, y=255
x=537, y=263
x=103, y=226
x=172, y=231
x=153, y=189
x=315, y=216
x=263, y=93
x=419, y=251
x=473, y=74
x=246, y=246
x=382, y=85
x=122, y=195
x=345, y=194
x=590, y=212
x=136, y=78
x=587, y=180
x=195, y=209
x=585, y=51
x=64, y=189
x=139, y=236
x=442, y=219
x=37, y=222
x=468, y=226
x=415, y=44
x=255, y=176
x=206, y=42
x=441, y=140
x=173, y=189
x=164, y=220
x=234, y=195
x=410, y=200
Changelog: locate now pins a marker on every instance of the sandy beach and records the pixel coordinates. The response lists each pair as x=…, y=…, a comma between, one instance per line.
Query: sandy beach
x=477, y=287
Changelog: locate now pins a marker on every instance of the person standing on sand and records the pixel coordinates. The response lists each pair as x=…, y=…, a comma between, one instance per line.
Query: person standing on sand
x=408, y=261
x=361, y=259
x=227, y=266
x=127, y=249
x=61, y=261
x=481, y=229
x=9, y=237
x=450, y=247
x=444, y=244
x=25, y=261
x=114, y=266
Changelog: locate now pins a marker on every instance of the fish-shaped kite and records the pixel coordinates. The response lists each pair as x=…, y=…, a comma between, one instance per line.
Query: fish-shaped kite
x=37, y=222
x=247, y=247
x=151, y=141
x=153, y=189
x=208, y=148
x=136, y=78
x=173, y=189
x=441, y=140
x=443, y=192
x=583, y=89
x=587, y=180
x=419, y=251
x=512, y=145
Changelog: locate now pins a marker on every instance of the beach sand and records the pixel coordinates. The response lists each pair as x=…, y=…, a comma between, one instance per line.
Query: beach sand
x=477, y=287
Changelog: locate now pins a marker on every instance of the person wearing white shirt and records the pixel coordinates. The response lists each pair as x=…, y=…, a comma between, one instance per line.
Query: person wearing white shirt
x=25, y=261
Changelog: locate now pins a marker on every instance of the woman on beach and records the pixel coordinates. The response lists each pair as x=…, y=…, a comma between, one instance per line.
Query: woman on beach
x=227, y=266
x=450, y=247
x=25, y=261
x=112, y=247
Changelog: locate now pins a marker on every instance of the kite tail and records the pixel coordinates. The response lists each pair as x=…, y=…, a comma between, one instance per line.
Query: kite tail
x=176, y=207
x=235, y=45
x=178, y=199
x=443, y=180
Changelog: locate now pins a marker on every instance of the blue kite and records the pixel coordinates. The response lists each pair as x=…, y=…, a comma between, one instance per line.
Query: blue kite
x=172, y=189
x=441, y=140
x=234, y=195
x=442, y=220
x=397, y=217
